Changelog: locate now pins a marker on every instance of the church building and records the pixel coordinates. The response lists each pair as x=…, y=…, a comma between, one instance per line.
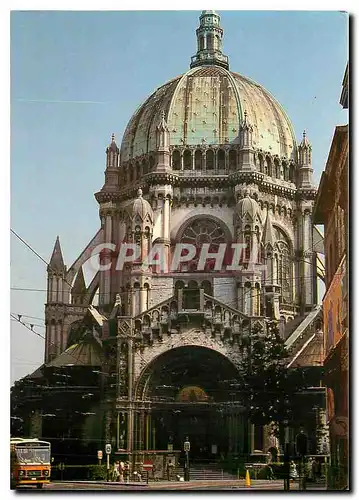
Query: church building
x=209, y=160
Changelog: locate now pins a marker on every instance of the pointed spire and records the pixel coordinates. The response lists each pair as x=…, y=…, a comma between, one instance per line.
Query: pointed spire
x=79, y=288
x=113, y=146
x=245, y=132
x=305, y=142
x=268, y=232
x=209, y=41
x=162, y=126
x=56, y=261
x=162, y=133
x=112, y=153
x=79, y=284
x=305, y=151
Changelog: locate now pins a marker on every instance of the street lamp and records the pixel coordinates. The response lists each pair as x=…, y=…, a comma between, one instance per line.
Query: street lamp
x=186, y=447
x=286, y=456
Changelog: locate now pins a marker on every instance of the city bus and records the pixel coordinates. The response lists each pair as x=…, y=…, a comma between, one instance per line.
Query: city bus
x=30, y=462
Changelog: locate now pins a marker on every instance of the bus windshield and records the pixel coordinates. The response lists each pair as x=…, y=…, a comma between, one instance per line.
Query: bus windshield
x=32, y=455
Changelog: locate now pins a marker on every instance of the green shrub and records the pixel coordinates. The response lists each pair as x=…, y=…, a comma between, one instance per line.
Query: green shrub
x=97, y=472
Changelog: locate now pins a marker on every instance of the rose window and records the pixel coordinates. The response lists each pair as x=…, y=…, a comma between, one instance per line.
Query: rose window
x=202, y=232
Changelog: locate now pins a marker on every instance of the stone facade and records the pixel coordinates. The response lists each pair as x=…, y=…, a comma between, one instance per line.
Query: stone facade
x=211, y=157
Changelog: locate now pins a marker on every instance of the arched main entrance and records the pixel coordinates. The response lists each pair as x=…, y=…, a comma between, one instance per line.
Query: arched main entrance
x=191, y=395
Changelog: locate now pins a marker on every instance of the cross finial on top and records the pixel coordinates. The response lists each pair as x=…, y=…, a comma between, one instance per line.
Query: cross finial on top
x=113, y=138
x=304, y=134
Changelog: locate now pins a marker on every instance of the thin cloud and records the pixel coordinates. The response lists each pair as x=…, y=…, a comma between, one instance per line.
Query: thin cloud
x=60, y=101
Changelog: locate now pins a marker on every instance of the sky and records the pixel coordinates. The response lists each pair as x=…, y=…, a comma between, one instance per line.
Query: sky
x=77, y=77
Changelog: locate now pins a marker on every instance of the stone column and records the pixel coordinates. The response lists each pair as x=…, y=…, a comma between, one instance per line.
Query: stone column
x=204, y=161
x=322, y=432
x=59, y=289
x=107, y=274
x=193, y=159
x=226, y=160
x=130, y=422
x=54, y=289
x=143, y=301
x=142, y=423
x=240, y=296
x=148, y=431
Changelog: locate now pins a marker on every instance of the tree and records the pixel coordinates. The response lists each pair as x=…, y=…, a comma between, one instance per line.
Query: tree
x=269, y=386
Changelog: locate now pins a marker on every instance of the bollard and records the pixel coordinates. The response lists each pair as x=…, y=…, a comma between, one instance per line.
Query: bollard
x=248, y=479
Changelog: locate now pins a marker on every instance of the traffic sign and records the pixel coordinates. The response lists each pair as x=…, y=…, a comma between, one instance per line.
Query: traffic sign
x=147, y=465
x=187, y=446
x=99, y=454
x=108, y=449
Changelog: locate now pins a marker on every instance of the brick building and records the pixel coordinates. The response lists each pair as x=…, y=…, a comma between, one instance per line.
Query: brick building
x=332, y=210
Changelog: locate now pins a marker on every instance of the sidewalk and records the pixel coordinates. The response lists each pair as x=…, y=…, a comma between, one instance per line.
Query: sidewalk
x=190, y=485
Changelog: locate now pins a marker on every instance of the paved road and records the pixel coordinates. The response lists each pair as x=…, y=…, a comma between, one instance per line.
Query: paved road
x=171, y=486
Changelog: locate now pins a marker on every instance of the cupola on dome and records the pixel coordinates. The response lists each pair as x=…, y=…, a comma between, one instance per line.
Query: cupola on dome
x=247, y=206
x=206, y=105
x=140, y=208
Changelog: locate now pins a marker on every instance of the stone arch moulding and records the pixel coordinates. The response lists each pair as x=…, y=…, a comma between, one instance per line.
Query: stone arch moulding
x=289, y=235
x=193, y=337
x=92, y=289
x=178, y=236
x=85, y=255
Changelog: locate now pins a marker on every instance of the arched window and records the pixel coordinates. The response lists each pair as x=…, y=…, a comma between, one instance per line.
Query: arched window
x=198, y=159
x=261, y=163
x=210, y=160
x=187, y=160
x=284, y=264
x=276, y=168
x=201, y=43
x=207, y=287
x=232, y=160
x=179, y=285
x=268, y=166
x=197, y=233
x=210, y=42
x=221, y=159
x=292, y=173
x=176, y=160
x=247, y=242
x=285, y=171
x=138, y=172
x=144, y=167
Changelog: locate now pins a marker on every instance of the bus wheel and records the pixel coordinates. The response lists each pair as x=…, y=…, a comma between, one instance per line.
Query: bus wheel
x=39, y=485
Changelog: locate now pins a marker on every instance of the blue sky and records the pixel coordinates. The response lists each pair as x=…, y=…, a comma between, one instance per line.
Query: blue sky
x=113, y=61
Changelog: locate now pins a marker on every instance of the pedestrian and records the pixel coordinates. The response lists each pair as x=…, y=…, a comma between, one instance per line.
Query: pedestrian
x=127, y=471
x=309, y=469
x=315, y=469
x=122, y=468
x=116, y=471
x=293, y=474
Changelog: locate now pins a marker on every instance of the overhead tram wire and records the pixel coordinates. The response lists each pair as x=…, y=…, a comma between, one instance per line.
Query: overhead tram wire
x=121, y=293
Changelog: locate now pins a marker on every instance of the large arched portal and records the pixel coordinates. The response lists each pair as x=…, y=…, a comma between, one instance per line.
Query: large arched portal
x=190, y=390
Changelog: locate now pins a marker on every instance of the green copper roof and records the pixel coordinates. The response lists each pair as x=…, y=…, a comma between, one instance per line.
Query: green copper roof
x=205, y=106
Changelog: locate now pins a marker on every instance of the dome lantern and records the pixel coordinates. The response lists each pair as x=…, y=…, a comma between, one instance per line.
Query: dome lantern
x=209, y=41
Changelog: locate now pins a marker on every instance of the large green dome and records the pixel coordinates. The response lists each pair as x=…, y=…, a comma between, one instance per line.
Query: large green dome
x=206, y=104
